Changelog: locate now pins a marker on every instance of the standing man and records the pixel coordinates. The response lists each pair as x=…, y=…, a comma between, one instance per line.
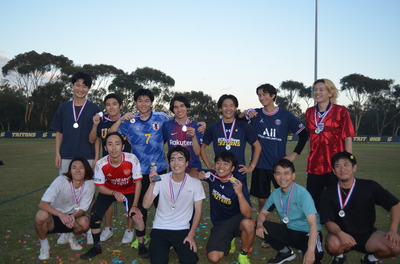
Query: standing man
x=272, y=126
x=63, y=206
x=118, y=177
x=183, y=131
x=179, y=195
x=348, y=212
x=101, y=125
x=231, y=135
x=300, y=227
x=230, y=210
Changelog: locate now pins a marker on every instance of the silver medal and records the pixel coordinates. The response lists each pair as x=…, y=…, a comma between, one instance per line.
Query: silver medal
x=132, y=120
x=173, y=207
x=317, y=131
x=76, y=207
x=228, y=147
x=101, y=114
x=75, y=125
x=285, y=220
x=184, y=128
x=342, y=213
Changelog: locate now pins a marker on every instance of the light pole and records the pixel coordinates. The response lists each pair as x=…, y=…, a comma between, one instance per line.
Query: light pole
x=316, y=41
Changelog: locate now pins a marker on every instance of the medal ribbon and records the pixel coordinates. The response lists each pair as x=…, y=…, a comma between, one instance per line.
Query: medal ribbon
x=228, y=140
x=343, y=205
x=80, y=112
x=125, y=201
x=104, y=117
x=216, y=177
x=323, y=115
x=78, y=197
x=171, y=190
x=286, y=211
x=186, y=122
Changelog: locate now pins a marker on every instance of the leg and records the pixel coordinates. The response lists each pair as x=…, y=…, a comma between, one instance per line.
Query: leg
x=247, y=233
x=334, y=246
x=108, y=217
x=159, y=246
x=315, y=186
x=43, y=224
x=378, y=245
x=215, y=256
x=81, y=225
x=185, y=255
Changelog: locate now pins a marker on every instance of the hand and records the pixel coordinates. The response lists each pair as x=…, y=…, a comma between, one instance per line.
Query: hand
x=260, y=230
x=251, y=114
x=96, y=119
x=136, y=210
x=68, y=220
x=237, y=186
x=58, y=161
x=127, y=116
x=202, y=127
x=152, y=174
x=201, y=175
x=347, y=240
x=192, y=243
x=309, y=257
x=291, y=156
x=393, y=239
x=191, y=132
x=119, y=197
x=245, y=169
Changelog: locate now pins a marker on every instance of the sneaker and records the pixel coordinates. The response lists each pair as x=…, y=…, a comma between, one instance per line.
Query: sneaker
x=243, y=259
x=93, y=252
x=365, y=260
x=128, y=236
x=135, y=243
x=106, y=234
x=265, y=245
x=44, y=253
x=89, y=237
x=73, y=243
x=63, y=239
x=336, y=260
x=282, y=257
x=233, y=246
x=143, y=252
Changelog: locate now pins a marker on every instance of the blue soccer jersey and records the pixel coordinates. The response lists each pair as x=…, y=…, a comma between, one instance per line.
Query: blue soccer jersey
x=174, y=135
x=272, y=130
x=146, y=139
x=242, y=133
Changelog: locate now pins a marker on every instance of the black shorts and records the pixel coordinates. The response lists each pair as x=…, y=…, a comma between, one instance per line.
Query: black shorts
x=361, y=241
x=103, y=201
x=222, y=235
x=59, y=227
x=317, y=183
x=261, y=183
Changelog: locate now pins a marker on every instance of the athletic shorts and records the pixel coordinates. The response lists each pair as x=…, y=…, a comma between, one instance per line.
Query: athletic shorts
x=261, y=183
x=59, y=227
x=361, y=241
x=222, y=235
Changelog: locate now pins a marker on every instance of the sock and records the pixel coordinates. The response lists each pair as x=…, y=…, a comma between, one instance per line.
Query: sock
x=44, y=242
x=96, y=239
x=243, y=252
x=141, y=244
x=284, y=250
x=372, y=258
x=340, y=256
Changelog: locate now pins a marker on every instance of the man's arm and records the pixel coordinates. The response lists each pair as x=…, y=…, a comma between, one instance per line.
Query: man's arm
x=392, y=235
x=256, y=155
x=66, y=219
x=245, y=208
x=196, y=220
x=114, y=128
x=347, y=240
x=309, y=256
x=97, y=150
x=260, y=229
x=348, y=144
x=135, y=209
x=204, y=157
x=93, y=131
x=303, y=137
x=118, y=196
x=59, y=138
x=149, y=196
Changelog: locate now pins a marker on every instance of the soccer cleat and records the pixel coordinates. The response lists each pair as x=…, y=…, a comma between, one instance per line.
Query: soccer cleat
x=365, y=260
x=336, y=260
x=73, y=243
x=63, y=239
x=265, y=245
x=93, y=252
x=233, y=246
x=44, y=252
x=143, y=252
x=282, y=257
x=135, y=243
x=243, y=259
x=128, y=236
x=89, y=237
x=106, y=234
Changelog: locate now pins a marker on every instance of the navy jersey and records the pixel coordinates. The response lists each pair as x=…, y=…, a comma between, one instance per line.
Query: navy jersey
x=272, y=130
x=146, y=139
x=174, y=135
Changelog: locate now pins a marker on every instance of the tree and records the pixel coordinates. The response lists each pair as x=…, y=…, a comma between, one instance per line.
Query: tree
x=11, y=108
x=362, y=92
x=292, y=91
x=30, y=70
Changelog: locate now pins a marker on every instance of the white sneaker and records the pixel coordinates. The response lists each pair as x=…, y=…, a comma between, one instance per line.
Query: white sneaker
x=73, y=243
x=106, y=234
x=128, y=236
x=44, y=253
x=89, y=237
x=63, y=239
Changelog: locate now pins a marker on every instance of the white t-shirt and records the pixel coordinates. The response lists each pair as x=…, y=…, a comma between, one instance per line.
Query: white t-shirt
x=178, y=218
x=61, y=197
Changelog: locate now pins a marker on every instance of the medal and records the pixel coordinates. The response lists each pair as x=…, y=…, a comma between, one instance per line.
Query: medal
x=285, y=208
x=228, y=140
x=184, y=128
x=173, y=207
x=76, y=125
x=320, y=125
x=76, y=118
x=228, y=147
x=76, y=197
x=171, y=191
x=76, y=207
x=132, y=121
x=285, y=220
x=101, y=114
x=342, y=213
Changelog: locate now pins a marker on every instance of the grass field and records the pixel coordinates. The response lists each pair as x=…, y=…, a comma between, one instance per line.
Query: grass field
x=28, y=169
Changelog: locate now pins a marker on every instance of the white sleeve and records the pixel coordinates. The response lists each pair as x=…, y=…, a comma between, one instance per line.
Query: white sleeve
x=54, y=189
x=87, y=195
x=99, y=177
x=199, y=191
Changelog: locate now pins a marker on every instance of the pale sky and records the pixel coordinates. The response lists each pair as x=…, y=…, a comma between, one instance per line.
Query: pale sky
x=219, y=46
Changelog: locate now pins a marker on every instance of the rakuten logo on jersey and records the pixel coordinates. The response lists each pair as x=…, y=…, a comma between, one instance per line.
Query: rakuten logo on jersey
x=182, y=143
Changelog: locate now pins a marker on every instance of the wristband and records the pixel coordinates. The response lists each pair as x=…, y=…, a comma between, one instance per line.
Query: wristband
x=113, y=193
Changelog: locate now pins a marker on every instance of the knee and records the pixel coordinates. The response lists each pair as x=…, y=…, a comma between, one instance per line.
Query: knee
x=333, y=245
x=214, y=256
x=41, y=217
x=83, y=223
x=95, y=221
x=248, y=226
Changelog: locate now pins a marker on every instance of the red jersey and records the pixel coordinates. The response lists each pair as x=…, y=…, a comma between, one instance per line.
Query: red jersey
x=121, y=178
x=335, y=126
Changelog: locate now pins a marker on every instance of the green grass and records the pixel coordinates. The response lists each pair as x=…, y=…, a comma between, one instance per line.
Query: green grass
x=29, y=169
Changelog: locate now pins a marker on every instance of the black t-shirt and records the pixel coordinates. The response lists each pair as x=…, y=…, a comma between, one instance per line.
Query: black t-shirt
x=360, y=212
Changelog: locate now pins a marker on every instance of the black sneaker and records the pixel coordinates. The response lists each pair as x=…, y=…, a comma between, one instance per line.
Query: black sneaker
x=336, y=260
x=143, y=252
x=91, y=253
x=365, y=260
x=282, y=257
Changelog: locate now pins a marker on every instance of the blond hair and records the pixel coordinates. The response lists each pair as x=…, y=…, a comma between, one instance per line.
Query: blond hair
x=330, y=87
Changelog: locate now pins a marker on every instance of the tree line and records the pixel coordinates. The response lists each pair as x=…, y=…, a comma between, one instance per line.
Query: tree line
x=33, y=86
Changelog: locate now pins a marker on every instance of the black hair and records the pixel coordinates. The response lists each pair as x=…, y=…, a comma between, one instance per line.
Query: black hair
x=284, y=163
x=118, y=97
x=112, y=134
x=87, y=80
x=181, y=150
x=179, y=98
x=227, y=157
x=343, y=155
x=88, y=169
x=143, y=92
x=267, y=88
x=227, y=96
